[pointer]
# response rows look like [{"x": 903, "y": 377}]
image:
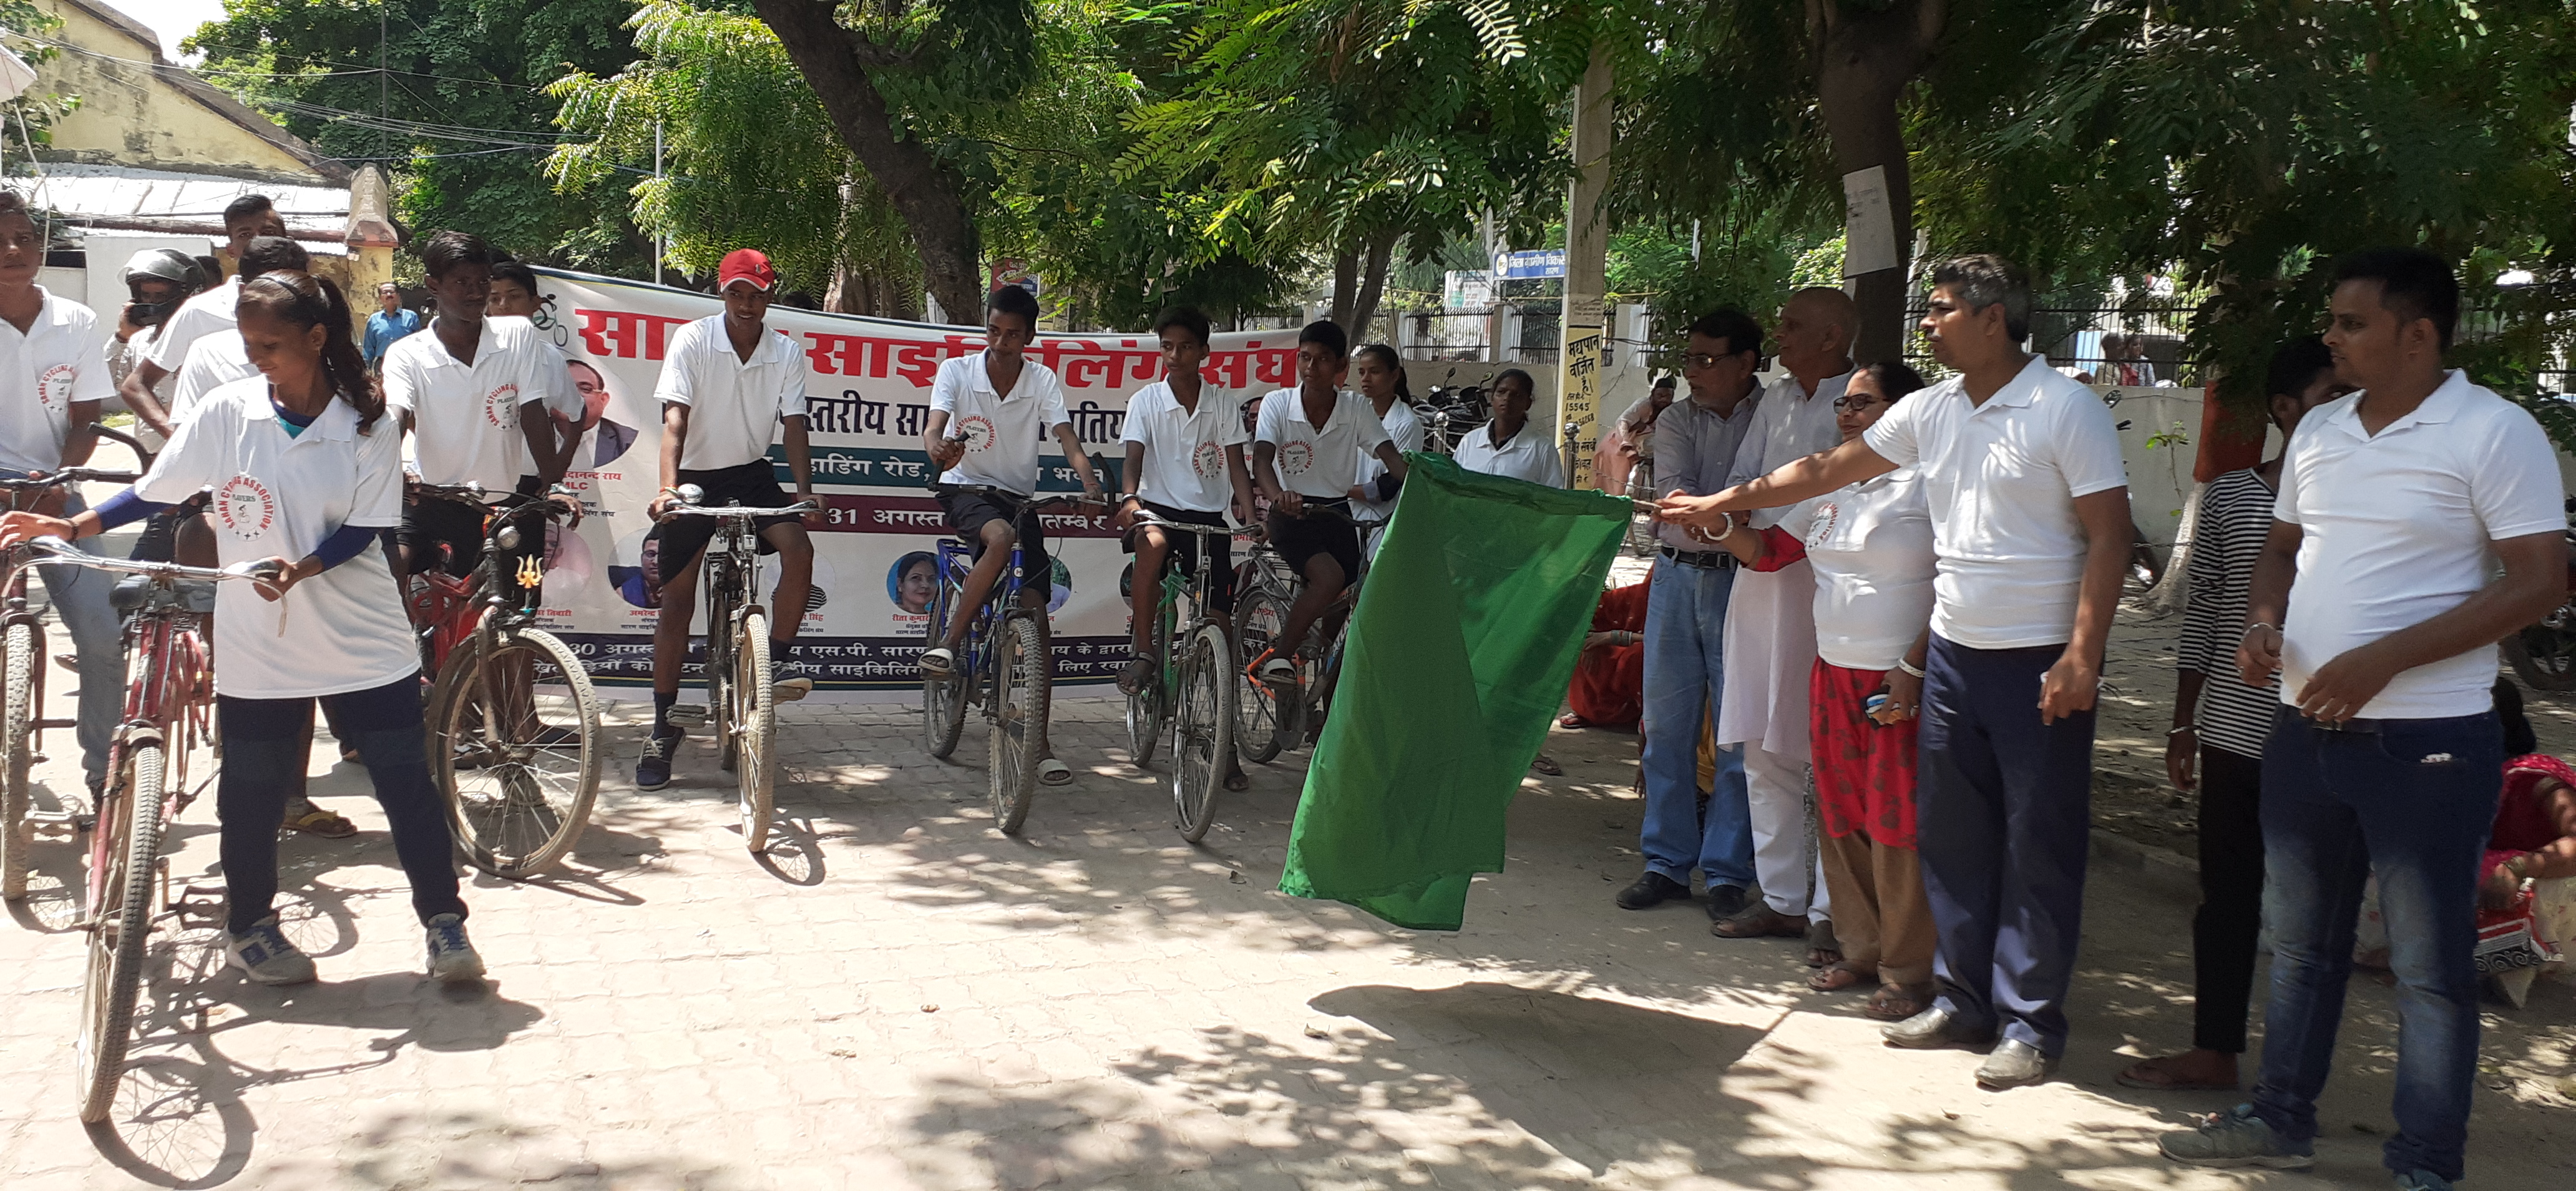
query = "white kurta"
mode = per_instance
[{"x": 1771, "y": 618}]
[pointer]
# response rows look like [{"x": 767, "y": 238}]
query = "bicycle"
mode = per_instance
[
  {"x": 1002, "y": 665},
  {"x": 1192, "y": 691},
  {"x": 740, "y": 698},
  {"x": 1272, "y": 720},
  {"x": 169, "y": 705},
  {"x": 519, "y": 768},
  {"x": 22, "y": 689}
]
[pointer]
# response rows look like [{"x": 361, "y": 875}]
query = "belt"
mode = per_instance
[{"x": 1706, "y": 560}]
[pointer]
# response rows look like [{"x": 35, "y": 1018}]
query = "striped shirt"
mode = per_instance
[{"x": 2235, "y": 517}]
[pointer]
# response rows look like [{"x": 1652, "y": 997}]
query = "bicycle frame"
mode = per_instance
[
  {"x": 445, "y": 610},
  {"x": 170, "y": 701},
  {"x": 956, "y": 561}
]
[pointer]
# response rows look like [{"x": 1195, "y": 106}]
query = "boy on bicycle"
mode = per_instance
[
  {"x": 999, "y": 402},
  {"x": 1185, "y": 464},
  {"x": 729, "y": 384},
  {"x": 1306, "y": 456}
]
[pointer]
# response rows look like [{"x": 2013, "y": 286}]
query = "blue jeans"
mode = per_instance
[
  {"x": 2004, "y": 824},
  {"x": 78, "y": 596},
  {"x": 2416, "y": 800},
  {"x": 1685, "y": 648}
]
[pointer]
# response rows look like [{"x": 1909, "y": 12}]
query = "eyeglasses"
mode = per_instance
[
  {"x": 1856, "y": 403},
  {"x": 1700, "y": 361}
]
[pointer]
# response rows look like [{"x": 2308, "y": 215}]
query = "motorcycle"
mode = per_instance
[{"x": 2543, "y": 655}]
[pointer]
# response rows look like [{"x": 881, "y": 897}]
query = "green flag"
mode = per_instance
[{"x": 1464, "y": 640}]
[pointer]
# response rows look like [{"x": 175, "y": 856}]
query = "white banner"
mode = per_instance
[{"x": 869, "y": 383}]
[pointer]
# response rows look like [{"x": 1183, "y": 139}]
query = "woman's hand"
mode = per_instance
[
  {"x": 1700, "y": 512},
  {"x": 274, "y": 586},
  {"x": 17, "y": 528}
]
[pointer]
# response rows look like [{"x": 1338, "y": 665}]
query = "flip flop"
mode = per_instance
[
  {"x": 940, "y": 662},
  {"x": 1836, "y": 978},
  {"x": 1547, "y": 765},
  {"x": 1570, "y": 721},
  {"x": 1895, "y": 1003},
  {"x": 1140, "y": 671},
  {"x": 1052, "y": 772},
  {"x": 326, "y": 824}
]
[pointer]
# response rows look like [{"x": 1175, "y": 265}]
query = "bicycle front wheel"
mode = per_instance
[
  {"x": 753, "y": 731},
  {"x": 515, "y": 750},
  {"x": 1019, "y": 721},
  {"x": 17, "y": 722},
  {"x": 1202, "y": 730},
  {"x": 943, "y": 700},
  {"x": 1145, "y": 710},
  {"x": 115, "y": 972},
  {"x": 1258, "y": 617}
]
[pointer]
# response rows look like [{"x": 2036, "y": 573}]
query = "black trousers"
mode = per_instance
[{"x": 2224, "y": 929}]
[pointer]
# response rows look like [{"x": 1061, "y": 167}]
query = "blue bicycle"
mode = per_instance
[{"x": 1003, "y": 665}]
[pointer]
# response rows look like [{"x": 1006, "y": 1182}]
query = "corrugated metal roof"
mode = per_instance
[{"x": 127, "y": 193}]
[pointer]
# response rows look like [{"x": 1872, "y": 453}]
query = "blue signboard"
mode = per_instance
[{"x": 1525, "y": 266}]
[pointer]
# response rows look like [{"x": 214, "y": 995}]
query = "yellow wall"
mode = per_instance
[{"x": 130, "y": 116}]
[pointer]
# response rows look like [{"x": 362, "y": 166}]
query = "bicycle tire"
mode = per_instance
[
  {"x": 754, "y": 740},
  {"x": 115, "y": 970},
  {"x": 17, "y": 717},
  {"x": 1202, "y": 730},
  {"x": 1147, "y": 713},
  {"x": 1019, "y": 701},
  {"x": 943, "y": 700},
  {"x": 518, "y": 805},
  {"x": 1258, "y": 615}
]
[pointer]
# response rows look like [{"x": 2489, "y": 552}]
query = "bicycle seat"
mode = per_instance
[{"x": 133, "y": 593}]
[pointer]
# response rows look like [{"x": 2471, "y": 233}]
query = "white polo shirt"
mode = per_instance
[
  {"x": 465, "y": 417},
  {"x": 735, "y": 405},
  {"x": 1871, "y": 547},
  {"x": 2394, "y": 530},
  {"x": 1002, "y": 429},
  {"x": 1324, "y": 463},
  {"x": 1403, "y": 428},
  {"x": 1789, "y": 424},
  {"x": 209, "y": 312},
  {"x": 1184, "y": 449},
  {"x": 59, "y": 360},
  {"x": 279, "y": 496},
  {"x": 1528, "y": 456},
  {"x": 2001, "y": 481},
  {"x": 218, "y": 359},
  {"x": 561, "y": 397}
]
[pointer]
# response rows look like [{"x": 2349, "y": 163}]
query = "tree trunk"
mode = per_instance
[
  {"x": 1346, "y": 282},
  {"x": 1372, "y": 287},
  {"x": 927, "y": 195},
  {"x": 1864, "y": 60}
]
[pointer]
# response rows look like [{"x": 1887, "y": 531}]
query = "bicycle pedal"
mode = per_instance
[{"x": 687, "y": 713}]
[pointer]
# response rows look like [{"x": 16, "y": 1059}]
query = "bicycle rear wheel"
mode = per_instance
[
  {"x": 1019, "y": 720},
  {"x": 1258, "y": 616},
  {"x": 1145, "y": 709},
  {"x": 753, "y": 731},
  {"x": 517, "y": 762},
  {"x": 115, "y": 971},
  {"x": 17, "y": 722},
  {"x": 1202, "y": 730},
  {"x": 943, "y": 700}
]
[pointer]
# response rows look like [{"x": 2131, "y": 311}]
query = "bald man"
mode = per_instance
[{"x": 1771, "y": 632}]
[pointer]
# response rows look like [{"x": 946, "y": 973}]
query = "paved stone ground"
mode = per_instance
[{"x": 901, "y": 997}]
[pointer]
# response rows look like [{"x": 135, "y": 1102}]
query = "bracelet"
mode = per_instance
[
  {"x": 2179, "y": 729},
  {"x": 1909, "y": 669},
  {"x": 2252, "y": 625}
]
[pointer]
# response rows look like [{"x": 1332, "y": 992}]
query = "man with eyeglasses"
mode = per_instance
[
  {"x": 1695, "y": 448},
  {"x": 1771, "y": 633}
]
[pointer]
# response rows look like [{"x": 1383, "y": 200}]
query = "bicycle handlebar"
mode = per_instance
[
  {"x": 1027, "y": 503},
  {"x": 70, "y": 475},
  {"x": 55, "y": 551},
  {"x": 745, "y": 512},
  {"x": 1145, "y": 517}
]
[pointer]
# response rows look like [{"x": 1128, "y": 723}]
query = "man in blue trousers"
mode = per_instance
[
  {"x": 2394, "y": 504},
  {"x": 2030, "y": 527},
  {"x": 1695, "y": 443}
]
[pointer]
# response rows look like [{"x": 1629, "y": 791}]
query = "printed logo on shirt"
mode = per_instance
[
  {"x": 1821, "y": 530},
  {"x": 501, "y": 406},
  {"x": 245, "y": 507},
  {"x": 54, "y": 388},
  {"x": 978, "y": 430},
  {"x": 1295, "y": 456},
  {"x": 1208, "y": 461}
]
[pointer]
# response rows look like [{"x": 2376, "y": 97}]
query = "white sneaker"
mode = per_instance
[
  {"x": 267, "y": 956},
  {"x": 451, "y": 955}
]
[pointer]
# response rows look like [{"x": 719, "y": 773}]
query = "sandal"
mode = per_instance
[
  {"x": 1547, "y": 765},
  {"x": 1822, "y": 948},
  {"x": 1571, "y": 721},
  {"x": 939, "y": 662},
  {"x": 1837, "y": 977},
  {"x": 1140, "y": 670},
  {"x": 1052, "y": 772},
  {"x": 1896, "y": 1002},
  {"x": 318, "y": 822}
]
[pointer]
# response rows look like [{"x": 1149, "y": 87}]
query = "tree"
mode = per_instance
[{"x": 33, "y": 112}]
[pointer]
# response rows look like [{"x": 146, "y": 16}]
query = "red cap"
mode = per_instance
[{"x": 746, "y": 264}]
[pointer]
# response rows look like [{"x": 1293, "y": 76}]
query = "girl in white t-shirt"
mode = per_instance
[{"x": 306, "y": 473}]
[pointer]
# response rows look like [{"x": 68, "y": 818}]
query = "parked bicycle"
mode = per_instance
[
  {"x": 169, "y": 705},
  {"x": 1272, "y": 719},
  {"x": 22, "y": 684},
  {"x": 1003, "y": 665},
  {"x": 513, "y": 722},
  {"x": 1191, "y": 693},
  {"x": 741, "y": 699}
]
